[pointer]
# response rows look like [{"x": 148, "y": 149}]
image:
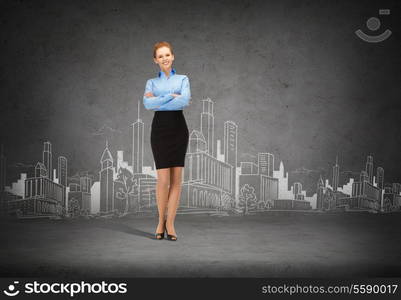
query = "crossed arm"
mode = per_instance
[
  {"x": 150, "y": 94},
  {"x": 168, "y": 101},
  {"x": 151, "y": 102}
]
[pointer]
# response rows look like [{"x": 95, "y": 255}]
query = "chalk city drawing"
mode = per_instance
[{"x": 215, "y": 182}]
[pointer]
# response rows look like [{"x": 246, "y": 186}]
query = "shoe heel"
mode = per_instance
[
  {"x": 170, "y": 237},
  {"x": 160, "y": 236}
]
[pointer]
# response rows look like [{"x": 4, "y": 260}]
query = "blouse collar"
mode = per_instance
[{"x": 162, "y": 74}]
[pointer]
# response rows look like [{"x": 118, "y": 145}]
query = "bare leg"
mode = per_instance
[
  {"x": 174, "y": 197},
  {"x": 162, "y": 190}
]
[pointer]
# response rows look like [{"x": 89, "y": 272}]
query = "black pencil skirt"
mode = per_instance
[{"x": 169, "y": 138}]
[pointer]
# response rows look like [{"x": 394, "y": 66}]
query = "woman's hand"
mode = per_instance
[{"x": 175, "y": 95}]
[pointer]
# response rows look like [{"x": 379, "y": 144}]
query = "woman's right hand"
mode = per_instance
[{"x": 175, "y": 95}]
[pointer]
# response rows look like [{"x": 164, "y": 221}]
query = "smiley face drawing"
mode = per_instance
[
  {"x": 373, "y": 24},
  {"x": 11, "y": 290}
]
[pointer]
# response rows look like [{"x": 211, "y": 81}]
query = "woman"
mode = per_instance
[{"x": 167, "y": 94}]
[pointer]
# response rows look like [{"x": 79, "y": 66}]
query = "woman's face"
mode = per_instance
[{"x": 164, "y": 58}]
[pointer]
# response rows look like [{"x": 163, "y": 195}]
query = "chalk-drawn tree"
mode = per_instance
[
  {"x": 247, "y": 199},
  {"x": 125, "y": 187},
  {"x": 328, "y": 199},
  {"x": 387, "y": 206},
  {"x": 73, "y": 207}
]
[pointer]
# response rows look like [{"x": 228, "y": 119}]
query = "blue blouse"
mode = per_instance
[{"x": 162, "y": 88}]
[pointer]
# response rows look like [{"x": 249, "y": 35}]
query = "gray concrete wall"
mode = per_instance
[{"x": 293, "y": 75}]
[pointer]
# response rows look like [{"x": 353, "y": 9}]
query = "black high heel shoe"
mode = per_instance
[
  {"x": 171, "y": 237},
  {"x": 160, "y": 236}
]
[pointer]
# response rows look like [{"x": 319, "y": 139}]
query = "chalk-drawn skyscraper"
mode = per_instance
[
  {"x": 2, "y": 169},
  {"x": 207, "y": 124},
  {"x": 106, "y": 181},
  {"x": 62, "y": 170},
  {"x": 320, "y": 193},
  {"x": 380, "y": 177},
  {"x": 369, "y": 168},
  {"x": 266, "y": 164},
  {"x": 137, "y": 145},
  {"x": 62, "y": 176},
  {"x": 48, "y": 158},
  {"x": 336, "y": 175},
  {"x": 230, "y": 149},
  {"x": 297, "y": 189}
]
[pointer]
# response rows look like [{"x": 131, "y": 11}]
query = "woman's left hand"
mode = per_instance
[{"x": 176, "y": 95}]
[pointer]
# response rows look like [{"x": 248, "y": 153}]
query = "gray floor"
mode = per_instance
[{"x": 268, "y": 245}]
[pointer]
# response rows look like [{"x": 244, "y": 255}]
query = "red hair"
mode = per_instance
[{"x": 159, "y": 45}]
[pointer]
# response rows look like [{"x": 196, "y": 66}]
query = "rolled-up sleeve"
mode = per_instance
[
  {"x": 151, "y": 103},
  {"x": 181, "y": 101}
]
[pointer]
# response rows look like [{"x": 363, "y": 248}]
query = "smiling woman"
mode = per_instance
[
  {"x": 173, "y": 93},
  {"x": 167, "y": 95}
]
